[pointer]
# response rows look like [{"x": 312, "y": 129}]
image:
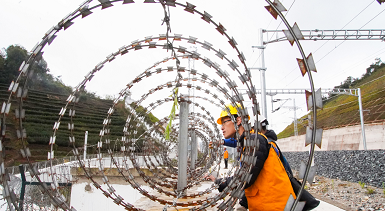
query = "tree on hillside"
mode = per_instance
[
  {"x": 14, "y": 56},
  {"x": 2, "y": 61},
  {"x": 10, "y": 62},
  {"x": 347, "y": 83},
  {"x": 351, "y": 82},
  {"x": 373, "y": 67}
]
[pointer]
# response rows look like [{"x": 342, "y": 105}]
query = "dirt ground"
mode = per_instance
[{"x": 348, "y": 195}]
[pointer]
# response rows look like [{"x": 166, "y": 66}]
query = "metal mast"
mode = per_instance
[{"x": 262, "y": 71}]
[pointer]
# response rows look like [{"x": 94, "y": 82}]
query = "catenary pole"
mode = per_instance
[
  {"x": 182, "y": 147},
  {"x": 85, "y": 145},
  {"x": 262, "y": 71},
  {"x": 295, "y": 119},
  {"x": 361, "y": 118},
  {"x": 193, "y": 149},
  {"x": 262, "y": 78}
]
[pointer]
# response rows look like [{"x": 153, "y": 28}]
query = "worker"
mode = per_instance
[
  {"x": 226, "y": 157},
  {"x": 272, "y": 136},
  {"x": 269, "y": 187}
]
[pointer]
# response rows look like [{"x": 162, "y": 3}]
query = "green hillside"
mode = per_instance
[
  {"x": 47, "y": 95},
  {"x": 343, "y": 110},
  {"x": 42, "y": 109}
]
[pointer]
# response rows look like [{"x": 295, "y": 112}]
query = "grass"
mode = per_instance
[
  {"x": 42, "y": 108},
  {"x": 324, "y": 189},
  {"x": 362, "y": 184},
  {"x": 342, "y": 110},
  {"x": 370, "y": 191}
]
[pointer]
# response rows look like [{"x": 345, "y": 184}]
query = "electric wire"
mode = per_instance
[
  {"x": 299, "y": 76},
  {"x": 336, "y": 96},
  {"x": 372, "y": 80},
  {"x": 366, "y": 96},
  {"x": 287, "y": 75},
  {"x": 257, "y": 59},
  {"x": 274, "y": 32},
  {"x": 271, "y": 19},
  {"x": 345, "y": 40},
  {"x": 363, "y": 97},
  {"x": 372, "y": 18},
  {"x": 320, "y": 60},
  {"x": 355, "y": 64},
  {"x": 335, "y": 47},
  {"x": 338, "y": 44},
  {"x": 281, "y": 20},
  {"x": 347, "y": 24}
]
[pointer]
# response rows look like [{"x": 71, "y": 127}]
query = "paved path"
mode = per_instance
[
  {"x": 323, "y": 206},
  {"x": 147, "y": 204}
]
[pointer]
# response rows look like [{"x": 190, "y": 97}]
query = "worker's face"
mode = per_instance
[{"x": 228, "y": 128}]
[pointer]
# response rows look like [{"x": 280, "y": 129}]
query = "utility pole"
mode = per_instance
[
  {"x": 262, "y": 71},
  {"x": 295, "y": 119}
]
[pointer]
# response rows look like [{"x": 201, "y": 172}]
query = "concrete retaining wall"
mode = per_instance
[
  {"x": 341, "y": 155},
  {"x": 346, "y": 138}
]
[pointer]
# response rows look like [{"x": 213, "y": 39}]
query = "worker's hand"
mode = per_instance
[
  {"x": 217, "y": 143},
  {"x": 209, "y": 177}
]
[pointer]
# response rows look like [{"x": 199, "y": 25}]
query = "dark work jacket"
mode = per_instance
[
  {"x": 261, "y": 155},
  {"x": 270, "y": 134}
]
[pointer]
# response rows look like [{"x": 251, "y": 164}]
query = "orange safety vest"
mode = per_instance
[
  {"x": 272, "y": 188},
  {"x": 226, "y": 155}
]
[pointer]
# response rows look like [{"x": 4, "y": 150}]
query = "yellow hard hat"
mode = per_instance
[{"x": 233, "y": 111}]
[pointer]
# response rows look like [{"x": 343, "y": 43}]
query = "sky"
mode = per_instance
[{"x": 78, "y": 49}]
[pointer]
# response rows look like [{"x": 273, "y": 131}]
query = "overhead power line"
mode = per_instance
[
  {"x": 355, "y": 64},
  {"x": 281, "y": 20},
  {"x": 333, "y": 35},
  {"x": 276, "y": 29}
]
